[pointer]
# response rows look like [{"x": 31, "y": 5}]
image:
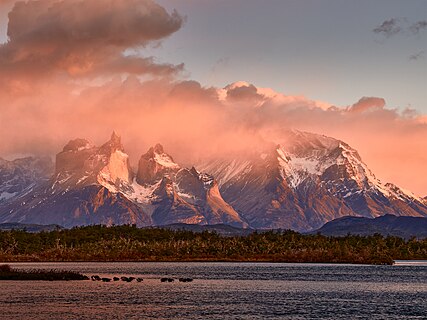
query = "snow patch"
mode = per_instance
[
  {"x": 7, "y": 195},
  {"x": 294, "y": 170},
  {"x": 142, "y": 194},
  {"x": 65, "y": 179},
  {"x": 85, "y": 147},
  {"x": 184, "y": 195},
  {"x": 306, "y": 164},
  {"x": 402, "y": 194},
  {"x": 82, "y": 179},
  {"x": 236, "y": 169},
  {"x": 165, "y": 161},
  {"x": 225, "y": 171}
]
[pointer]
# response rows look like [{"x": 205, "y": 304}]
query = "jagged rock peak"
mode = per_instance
[
  {"x": 115, "y": 138},
  {"x": 155, "y": 164},
  {"x": 155, "y": 152},
  {"x": 158, "y": 155},
  {"x": 207, "y": 180},
  {"x": 115, "y": 143},
  {"x": 86, "y": 163},
  {"x": 73, "y": 156},
  {"x": 194, "y": 171},
  {"x": 158, "y": 148},
  {"x": 77, "y": 145}
]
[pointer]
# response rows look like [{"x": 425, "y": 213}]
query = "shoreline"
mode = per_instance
[
  {"x": 209, "y": 261},
  {"x": 7, "y": 273}
]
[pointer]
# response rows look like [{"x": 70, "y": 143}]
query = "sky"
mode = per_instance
[
  {"x": 209, "y": 77},
  {"x": 325, "y": 49}
]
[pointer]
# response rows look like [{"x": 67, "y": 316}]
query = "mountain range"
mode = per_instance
[{"x": 300, "y": 184}]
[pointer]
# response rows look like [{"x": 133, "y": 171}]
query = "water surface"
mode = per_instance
[{"x": 223, "y": 291}]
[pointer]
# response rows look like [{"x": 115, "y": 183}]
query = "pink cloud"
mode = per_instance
[
  {"x": 65, "y": 75},
  {"x": 368, "y": 104},
  {"x": 84, "y": 38}
]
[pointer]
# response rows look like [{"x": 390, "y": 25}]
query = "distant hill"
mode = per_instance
[
  {"x": 404, "y": 227},
  {"x": 29, "y": 227}
]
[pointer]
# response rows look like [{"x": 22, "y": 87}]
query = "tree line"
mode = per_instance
[{"x": 129, "y": 243}]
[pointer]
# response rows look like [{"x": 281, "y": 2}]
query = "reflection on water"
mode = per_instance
[{"x": 223, "y": 291}]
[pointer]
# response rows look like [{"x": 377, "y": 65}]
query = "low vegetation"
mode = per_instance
[
  {"x": 7, "y": 273},
  {"x": 128, "y": 243}
]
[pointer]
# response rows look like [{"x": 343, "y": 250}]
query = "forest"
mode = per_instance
[{"x": 129, "y": 243}]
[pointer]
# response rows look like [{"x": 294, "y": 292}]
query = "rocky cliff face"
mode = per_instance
[
  {"x": 81, "y": 164},
  {"x": 179, "y": 195},
  {"x": 154, "y": 165},
  {"x": 95, "y": 185},
  {"x": 87, "y": 188},
  {"x": 299, "y": 184}
]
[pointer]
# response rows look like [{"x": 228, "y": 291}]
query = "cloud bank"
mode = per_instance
[
  {"x": 84, "y": 38},
  {"x": 75, "y": 68}
]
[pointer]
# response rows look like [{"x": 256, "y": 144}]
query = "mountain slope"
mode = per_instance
[
  {"x": 306, "y": 181},
  {"x": 88, "y": 205},
  {"x": 388, "y": 225},
  {"x": 21, "y": 176},
  {"x": 179, "y": 195}
]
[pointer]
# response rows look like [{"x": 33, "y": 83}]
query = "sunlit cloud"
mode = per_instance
[
  {"x": 65, "y": 74},
  {"x": 84, "y": 38}
]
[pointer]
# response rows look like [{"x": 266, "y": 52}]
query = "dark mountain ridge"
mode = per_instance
[
  {"x": 387, "y": 225},
  {"x": 29, "y": 227}
]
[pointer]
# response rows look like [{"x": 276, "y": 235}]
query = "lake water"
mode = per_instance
[{"x": 223, "y": 291}]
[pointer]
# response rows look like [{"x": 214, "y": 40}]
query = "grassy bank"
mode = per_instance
[
  {"x": 7, "y": 273},
  {"x": 128, "y": 243}
]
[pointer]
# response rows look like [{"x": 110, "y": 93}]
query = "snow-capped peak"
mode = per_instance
[
  {"x": 158, "y": 155},
  {"x": 165, "y": 160},
  {"x": 154, "y": 165},
  {"x": 313, "y": 155},
  {"x": 401, "y": 193}
]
